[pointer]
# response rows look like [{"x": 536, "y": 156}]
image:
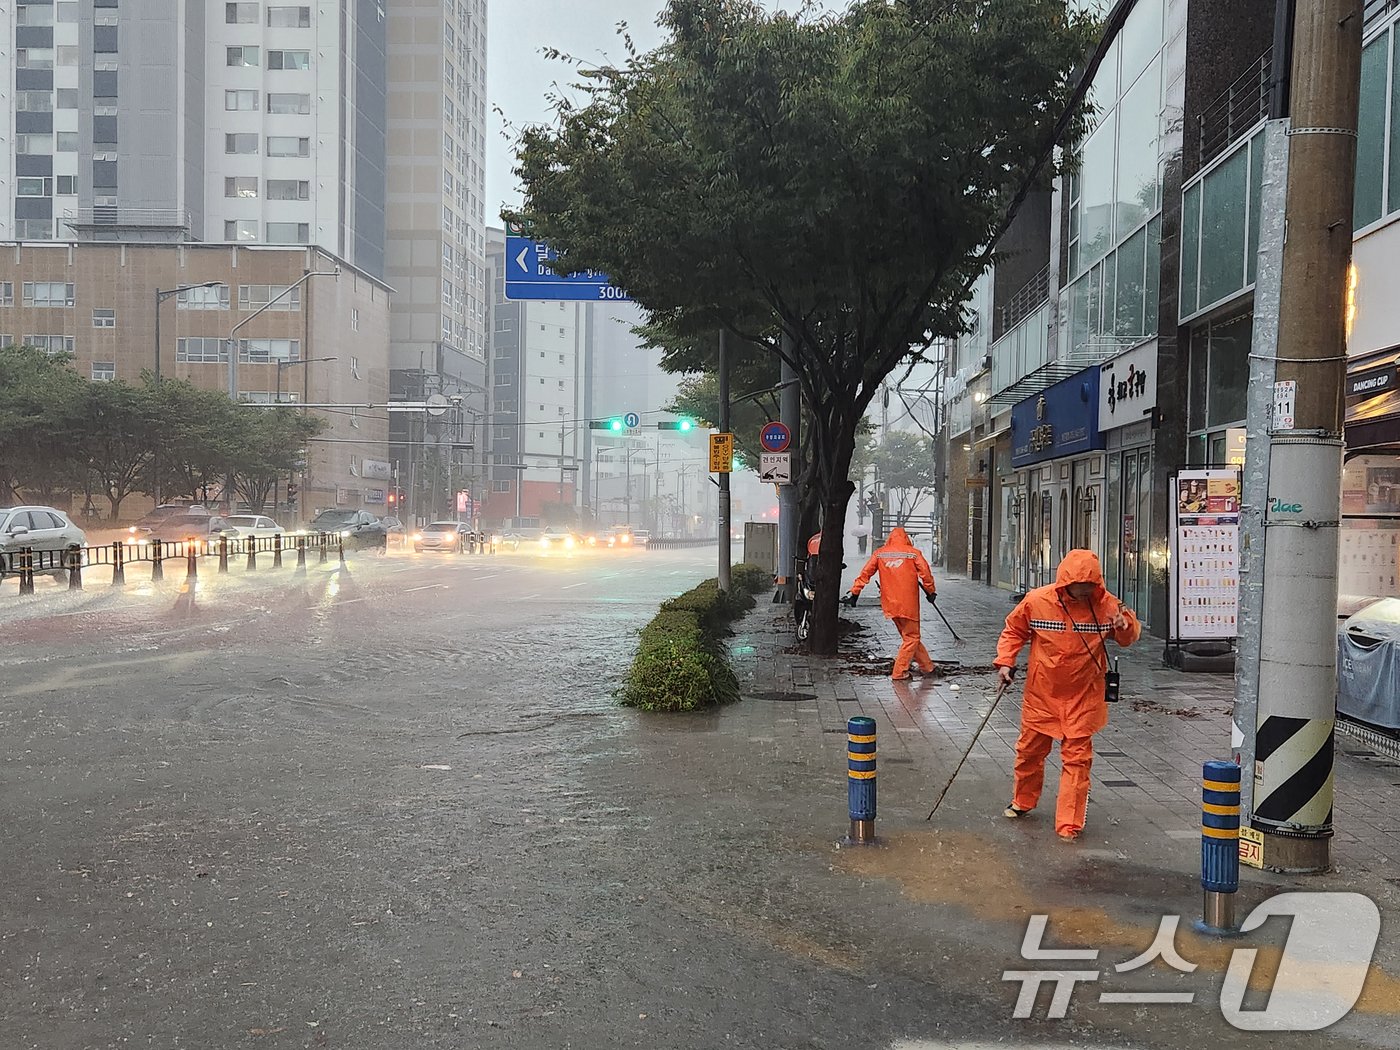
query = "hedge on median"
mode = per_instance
[{"x": 681, "y": 662}]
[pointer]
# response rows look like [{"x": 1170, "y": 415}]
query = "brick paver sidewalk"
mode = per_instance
[{"x": 1145, "y": 796}]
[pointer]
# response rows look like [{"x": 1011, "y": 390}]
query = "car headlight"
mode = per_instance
[
  {"x": 626, "y": 539},
  {"x": 417, "y": 536},
  {"x": 568, "y": 541},
  {"x": 495, "y": 540},
  {"x": 345, "y": 534}
]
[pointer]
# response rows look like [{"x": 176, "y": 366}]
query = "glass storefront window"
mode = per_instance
[
  {"x": 1223, "y": 198},
  {"x": 1152, "y": 283},
  {"x": 1096, "y": 193},
  {"x": 1128, "y": 316},
  {"x": 1371, "y": 127},
  {"x": 1190, "y": 248},
  {"x": 1229, "y": 372},
  {"x": 1137, "y": 151},
  {"x": 1114, "y": 516},
  {"x": 1200, "y": 361}
]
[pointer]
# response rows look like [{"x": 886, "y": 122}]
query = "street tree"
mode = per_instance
[
  {"x": 905, "y": 464},
  {"x": 271, "y": 443},
  {"x": 843, "y": 176},
  {"x": 40, "y": 412},
  {"x": 117, "y": 438}
]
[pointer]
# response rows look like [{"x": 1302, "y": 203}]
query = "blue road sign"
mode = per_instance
[
  {"x": 527, "y": 276},
  {"x": 775, "y": 437},
  {"x": 632, "y": 420}
]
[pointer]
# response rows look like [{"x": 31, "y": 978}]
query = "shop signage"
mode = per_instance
[
  {"x": 1060, "y": 421},
  {"x": 1128, "y": 387},
  {"x": 1204, "y": 560},
  {"x": 376, "y": 468},
  {"x": 374, "y": 496},
  {"x": 1372, "y": 382}
]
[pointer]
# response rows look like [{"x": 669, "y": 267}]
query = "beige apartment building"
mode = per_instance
[{"x": 326, "y": 343}]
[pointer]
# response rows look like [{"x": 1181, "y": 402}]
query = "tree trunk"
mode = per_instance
[
  {"x": 116, "y": 502},
  {"x": 826, "y": 607}
]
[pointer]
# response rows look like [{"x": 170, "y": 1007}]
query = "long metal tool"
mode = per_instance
[
  {"x": 958, "y": 640},
  {"x": 1001, "y": 691}
]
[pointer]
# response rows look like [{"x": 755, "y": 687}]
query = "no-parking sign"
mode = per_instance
[{"x": 775, "y": 437}]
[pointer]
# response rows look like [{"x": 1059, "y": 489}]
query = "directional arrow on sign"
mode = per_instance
[{"x": 521, "y": 258}]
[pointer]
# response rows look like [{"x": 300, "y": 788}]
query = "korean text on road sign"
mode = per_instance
[{"x": 721, "y": 453}]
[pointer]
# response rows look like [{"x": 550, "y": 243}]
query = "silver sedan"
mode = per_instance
[{"x": 40, "y": 529}]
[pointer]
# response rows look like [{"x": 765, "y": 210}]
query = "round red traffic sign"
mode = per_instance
[{"x": 775, "y": 437}]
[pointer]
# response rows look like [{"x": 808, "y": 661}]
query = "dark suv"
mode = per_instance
[{"x": 358, "y": 528}]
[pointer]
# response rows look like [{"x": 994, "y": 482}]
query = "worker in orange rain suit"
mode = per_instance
[
  {"x": 903, "y": 573},
  {"x": 1067, "y": 625}
]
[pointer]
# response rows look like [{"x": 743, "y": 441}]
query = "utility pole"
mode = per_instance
[
  {"x": 724, "y": 583},
  {"x": 1288, "y": 644},
  {"x": 789, "y": 405}
]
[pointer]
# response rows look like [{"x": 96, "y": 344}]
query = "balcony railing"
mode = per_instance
[
  {"x": 97, "y": 221},
  {"x": 1027, "y": 298},
  {"x": 1236, "y": 110}
]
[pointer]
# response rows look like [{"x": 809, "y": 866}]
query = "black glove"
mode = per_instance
[
  {"x": 932, "y": 597},
  {"x": 849, "y": 598}
]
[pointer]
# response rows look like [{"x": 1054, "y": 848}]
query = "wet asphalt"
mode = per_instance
[{"x": 396, "y": 806}]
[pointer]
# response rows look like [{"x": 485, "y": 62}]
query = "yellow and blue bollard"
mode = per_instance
[
  {"x": 860, "y": 778},
  {"x": 1220, "y": 846}
]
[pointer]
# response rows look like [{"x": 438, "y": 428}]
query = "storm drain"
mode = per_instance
[
  {"x": 785, "y": 698},
  {"x": 1119, "y": 783}
]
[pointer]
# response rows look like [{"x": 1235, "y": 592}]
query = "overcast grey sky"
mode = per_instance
[{"x": 519, "y": 77}]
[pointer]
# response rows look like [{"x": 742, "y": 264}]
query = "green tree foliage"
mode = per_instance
[
  {"x": 843, "y": 178},
  {"x": 61, "y": 434},
  {"x": 905, "y": 462}
]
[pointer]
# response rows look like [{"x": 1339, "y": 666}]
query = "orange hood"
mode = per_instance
[
  {"x": 1079, "y": 566},
  {"x": 899, "y": 538}
]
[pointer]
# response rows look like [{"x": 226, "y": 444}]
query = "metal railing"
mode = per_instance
[
  {"x": 1026, "y": 300},
  {"x": 117, "y": 215},
  {"x": 1236, "y": 110}
]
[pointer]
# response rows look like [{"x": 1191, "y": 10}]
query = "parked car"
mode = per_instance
[
  {"x": 641, "y": 537},
  {"x": 442, "y": 536},
  {"x": 198, "y": 524},
  {"x": 39, "y": 529},
  {"x": 241, "y": 526},
  {"x": 359, "y": 528},
  {"x": 153, "y": 523}
]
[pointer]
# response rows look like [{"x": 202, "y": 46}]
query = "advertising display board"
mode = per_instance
[{"x": 1205, "y": 554}]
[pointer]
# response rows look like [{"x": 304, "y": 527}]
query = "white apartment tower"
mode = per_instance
[{"x": 169, "y": 120}]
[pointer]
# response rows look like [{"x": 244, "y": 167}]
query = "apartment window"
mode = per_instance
[
  {"x": 7, "y": 293},
  {"x": 500, "y": 486},
  {"x": 354, "y": 368},
  {"x": 200, "y": 350},
  {"x": 34, "y": 145},
  {"x": 66, "y": 142},
  {"x": 34, "y": 229},
  {"x": 288, "y": 233},
  {"x": 34, "y": 58},
  {"x": 104, "y": 371},
  {"x": 66, "y": 185},
  {"x": 31, "y": 15},
  {"x": 34, "y": 101},
  {"x": 288, "y": 190},
  {"x": 354, "y": 327},
  {"x": 243, "y": 56},
  {"x": 215, "y": 298},
  {"x": 240, "y": 101},
  {"x": 67, "y": 11},
  {"x": 254, "y": 296},
  {"x": 67, "y": 98},
  {"x": 48, "y": 293},
  {"x": 103, "y": 318},
  {"x": 289, "y": 17},
  {"x": 50, "y": 344},
  {"x": 288, "y": 146},
  {"x": 288, "y": 102},
  {"x": 241, "y": 230},
  {"x": 241, "y": 186},
  {"x": 240, "y": 14},
  {"x": 34, "y": 187},
  {"x": 241, "y": 144},
  {"x": 262, "y": 351},
  {"x": 289, "y": 60}
]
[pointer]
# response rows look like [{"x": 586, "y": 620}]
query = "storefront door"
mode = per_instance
[{"x": 1135, "y": 525}]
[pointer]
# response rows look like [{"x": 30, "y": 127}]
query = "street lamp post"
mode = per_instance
[
  {"x": 230, "y": 342},
  {"x": 291, "y": 363},
  {"x": 163, "y": 294}
]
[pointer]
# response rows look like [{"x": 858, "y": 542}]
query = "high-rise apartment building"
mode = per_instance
[{"x": 185, "y": 120}]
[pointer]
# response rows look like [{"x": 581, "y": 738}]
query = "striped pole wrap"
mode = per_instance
[
  {"x": 1293, "y": 776},
  {"x": 860, "y": 777},
  {"x": 1220, "y": 845}
]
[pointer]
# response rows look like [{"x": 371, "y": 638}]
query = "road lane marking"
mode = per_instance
[
  {"x": 478, "y": 579},
  {"x": 347, "y": 601},
  {"x": 426, "y": 587},
  {"x": 571, "y": 586},
  {"x": 524, "y": 597}
]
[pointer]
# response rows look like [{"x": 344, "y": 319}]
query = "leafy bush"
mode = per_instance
[{"x": 681, "y": 662}]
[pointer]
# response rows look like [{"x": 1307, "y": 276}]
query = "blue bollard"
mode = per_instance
[
  {"x": 1220, "y": 846},
  {"x": 860, "y": 778}
]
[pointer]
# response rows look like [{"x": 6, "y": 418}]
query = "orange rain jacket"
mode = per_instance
[
  {"x": 903, "y": 571},
  {"x": 1069, "y": 655},
  {"x": 814, "y": 545}
]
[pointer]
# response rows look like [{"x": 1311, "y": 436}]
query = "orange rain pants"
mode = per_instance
[
  {"x": 911, "y": 648},
  {"x": 1076, "y": 758}
]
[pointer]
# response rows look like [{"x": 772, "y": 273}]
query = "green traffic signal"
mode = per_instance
[
  {"x": 615, "y": 424},
  {"x": 677, "y": 424}
]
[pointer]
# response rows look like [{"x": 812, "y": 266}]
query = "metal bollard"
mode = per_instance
[
  {"x": 301, "y": 555},
  {"x": 192, "y": 560},
  {"x": 277, "y": 550},
  {"x": 118, "y": 564},
  {"x": 75, "y": 568},
  {"x": 1220, "y": 846},
  {"x": 341, "y": 539},
  {"x": 157, "y": 569},
  {"x": 223, "y": 555},
  {"x": 321, "y": 542},
  {"x": 252, "y": 542},
  {"x": 860, "y": 778},
  {"x": 26, "y": 571}
]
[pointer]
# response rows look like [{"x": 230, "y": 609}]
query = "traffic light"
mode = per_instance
[
  {"x": 677, "y": 424},
  {"x": 393, "y": 497},
  {"x": 291, "y": 494},
  {"x": 616, "y": 424}
]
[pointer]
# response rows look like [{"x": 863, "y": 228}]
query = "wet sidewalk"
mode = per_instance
[{"x": 1145, "y": 794}]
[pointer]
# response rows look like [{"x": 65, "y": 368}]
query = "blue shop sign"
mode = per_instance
[{"x": 1062, "y": 420}]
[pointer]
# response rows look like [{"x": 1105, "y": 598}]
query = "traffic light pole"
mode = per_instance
[{"x": 724, "y": 583}]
